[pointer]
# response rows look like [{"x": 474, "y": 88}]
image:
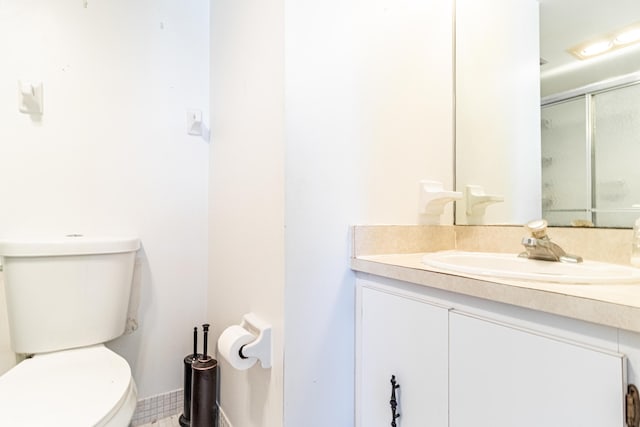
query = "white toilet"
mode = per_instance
[{"x": 65, "y": 298}]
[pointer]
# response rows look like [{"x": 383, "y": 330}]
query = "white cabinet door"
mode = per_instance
[
  {"x": 501, "y": 376},
  {"x": 407, "y": 338}
]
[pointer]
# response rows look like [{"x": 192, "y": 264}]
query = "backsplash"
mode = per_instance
[
  {"x": 401, "y": 239},
  {"x": 597, "y": 244}
]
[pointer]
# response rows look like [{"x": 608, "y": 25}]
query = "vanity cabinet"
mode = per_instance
[
  {"x": 459, "y": 365},
  {"x": 503, "y": 376},
  {"x": 405, "y": 338}
]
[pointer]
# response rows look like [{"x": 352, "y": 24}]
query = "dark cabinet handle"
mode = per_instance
[{"x": 393, "y": 402}]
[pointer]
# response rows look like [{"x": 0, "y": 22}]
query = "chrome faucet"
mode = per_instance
[{"x": 540, "y": 246}]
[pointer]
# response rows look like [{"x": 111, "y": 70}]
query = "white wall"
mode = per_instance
[
  {"x": 324, "y": 115},
  {"x": 369, "y": 114},
  {"x": 111, "y": 155},
  {"x": 246, "y": 198}
]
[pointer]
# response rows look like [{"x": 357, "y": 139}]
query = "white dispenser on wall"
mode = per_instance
[{"x": 433, "y": 199}]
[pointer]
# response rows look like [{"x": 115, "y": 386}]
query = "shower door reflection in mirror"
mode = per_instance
[
  {"x": 591, "y": 159},
  {"x": 566, "y": 185}
]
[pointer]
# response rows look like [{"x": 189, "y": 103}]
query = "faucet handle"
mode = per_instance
[{"x": 537, "y": 228}]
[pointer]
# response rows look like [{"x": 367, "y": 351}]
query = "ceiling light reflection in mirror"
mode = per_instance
[{"x": 622, "y": 38}]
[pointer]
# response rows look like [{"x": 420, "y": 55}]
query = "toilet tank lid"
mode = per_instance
[{"x": 73, "y": 244}]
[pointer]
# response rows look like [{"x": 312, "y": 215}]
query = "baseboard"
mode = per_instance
[{"x": 223, "y": 421}]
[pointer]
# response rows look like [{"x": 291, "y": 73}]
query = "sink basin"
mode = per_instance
[{"x": 510, "y": 266}]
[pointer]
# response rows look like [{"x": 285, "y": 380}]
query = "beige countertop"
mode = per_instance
[{"x": 615, "y": 305}]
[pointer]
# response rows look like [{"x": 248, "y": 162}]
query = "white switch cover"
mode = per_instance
[
  {"x": 194, "y": 122},
  {"x": 30, "y": 97}
]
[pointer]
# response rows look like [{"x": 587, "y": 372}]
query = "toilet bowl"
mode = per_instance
[
  {"x": 89, "y": 386},
  {"x": 65, "y": 298}
]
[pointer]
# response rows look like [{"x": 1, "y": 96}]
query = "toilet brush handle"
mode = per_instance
[
  {"x": 195, "y": 341},
  {"x": 205, "y": 328}
]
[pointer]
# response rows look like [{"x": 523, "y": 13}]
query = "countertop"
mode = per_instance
[{"x": 611, "y": 305}]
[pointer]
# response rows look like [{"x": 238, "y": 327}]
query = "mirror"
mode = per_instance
[
  {"x": 497, "y": 111},
  {"x": 585, "y": 178},
  {"x": 590, "y": 114}
]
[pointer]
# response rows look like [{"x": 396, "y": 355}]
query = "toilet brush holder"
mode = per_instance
[
  {"x": 185, "y": 418},
  {"x": 204, "y": 384},
  {"x": 204, "y": 388}
]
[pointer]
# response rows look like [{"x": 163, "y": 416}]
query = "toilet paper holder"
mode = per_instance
[{"x": 261, "y": 347}]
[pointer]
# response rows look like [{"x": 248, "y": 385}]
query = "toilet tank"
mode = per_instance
[{"x": 66, "y": 292}]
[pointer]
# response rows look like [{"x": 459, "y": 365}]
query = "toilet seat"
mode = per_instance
[{"x": 88, "y": 386}]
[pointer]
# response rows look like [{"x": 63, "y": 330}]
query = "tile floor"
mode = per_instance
[{"x": 171, "y": 421}]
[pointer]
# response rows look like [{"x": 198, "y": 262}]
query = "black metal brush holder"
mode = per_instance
[
  {"x": 185, "y": 418},
  {"x": 200, "y": 386},
  {"x": 204, "y": 384}
]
